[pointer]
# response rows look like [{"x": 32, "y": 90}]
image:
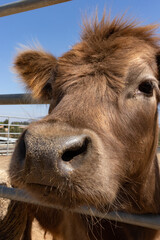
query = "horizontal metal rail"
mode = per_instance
[
  {"x": 11, "y": 133},
  {"x": 14, "y": 125},
  {"x": 147, "y": 220},
  {"x": 9, "y": 151},
  {"x": 14, "y": 99},
  {"x": 6, "y": 116},
  {"x": 26, "y": 5}
]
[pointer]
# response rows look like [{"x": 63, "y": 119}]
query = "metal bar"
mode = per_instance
[
  {"x": 2, "y": 133},
  {"x": 5, "y": 116},
  {"x": 14, "y": 99},
  {"x": 14, "y": 125},
  {"x": 4, "y": 151},
  {"x": 26, "y": 5},
  {"x": 147, "y": 220}
]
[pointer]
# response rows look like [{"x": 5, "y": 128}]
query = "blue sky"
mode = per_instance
[{"x": 56, "y": 28}]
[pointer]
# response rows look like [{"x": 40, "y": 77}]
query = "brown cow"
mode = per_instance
[{"x": 98, "y": 144}]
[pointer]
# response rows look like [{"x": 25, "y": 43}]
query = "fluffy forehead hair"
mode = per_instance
[
  {"x": 100, "y": 39},
  {"x": 106, "y": 48},
  {"x": 95, "y": 30}
]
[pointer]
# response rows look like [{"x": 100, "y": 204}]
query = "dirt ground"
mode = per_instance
[
  {"x": 4, "y": 162},
  {"x": 37, "y": 232}
]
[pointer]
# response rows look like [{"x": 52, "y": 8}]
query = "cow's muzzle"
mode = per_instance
[{"x": 45, "y": 158}]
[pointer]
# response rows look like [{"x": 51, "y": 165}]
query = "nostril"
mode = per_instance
[
  {"x": 74, "y": 151},
  {"x": 22, "y": 147}
]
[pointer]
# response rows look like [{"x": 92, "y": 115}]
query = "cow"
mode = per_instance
[{"x": 97, "y": 146}]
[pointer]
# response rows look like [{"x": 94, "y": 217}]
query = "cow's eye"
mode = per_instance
[{"x": 146, "y": 88}]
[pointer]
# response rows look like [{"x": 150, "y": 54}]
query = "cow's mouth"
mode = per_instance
[
  {"x": 52, "y": 195},
  {"x": 47, "y": 189},
  {"x": 62, "y": 199},
  {"x": 43, "y": 190}
]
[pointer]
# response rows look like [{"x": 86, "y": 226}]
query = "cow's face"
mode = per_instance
[{"x": 98, "y": 142}]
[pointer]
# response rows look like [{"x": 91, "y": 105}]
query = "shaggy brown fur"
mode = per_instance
[{"x": 104, "y": 94}]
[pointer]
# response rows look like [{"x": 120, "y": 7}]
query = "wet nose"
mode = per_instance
[{"x": 62, "y": 155}]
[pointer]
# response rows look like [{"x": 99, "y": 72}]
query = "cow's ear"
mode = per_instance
[{"x": 37, "y": 70}]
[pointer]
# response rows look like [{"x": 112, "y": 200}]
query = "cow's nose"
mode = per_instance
[{"x": 60, "y": 155}]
